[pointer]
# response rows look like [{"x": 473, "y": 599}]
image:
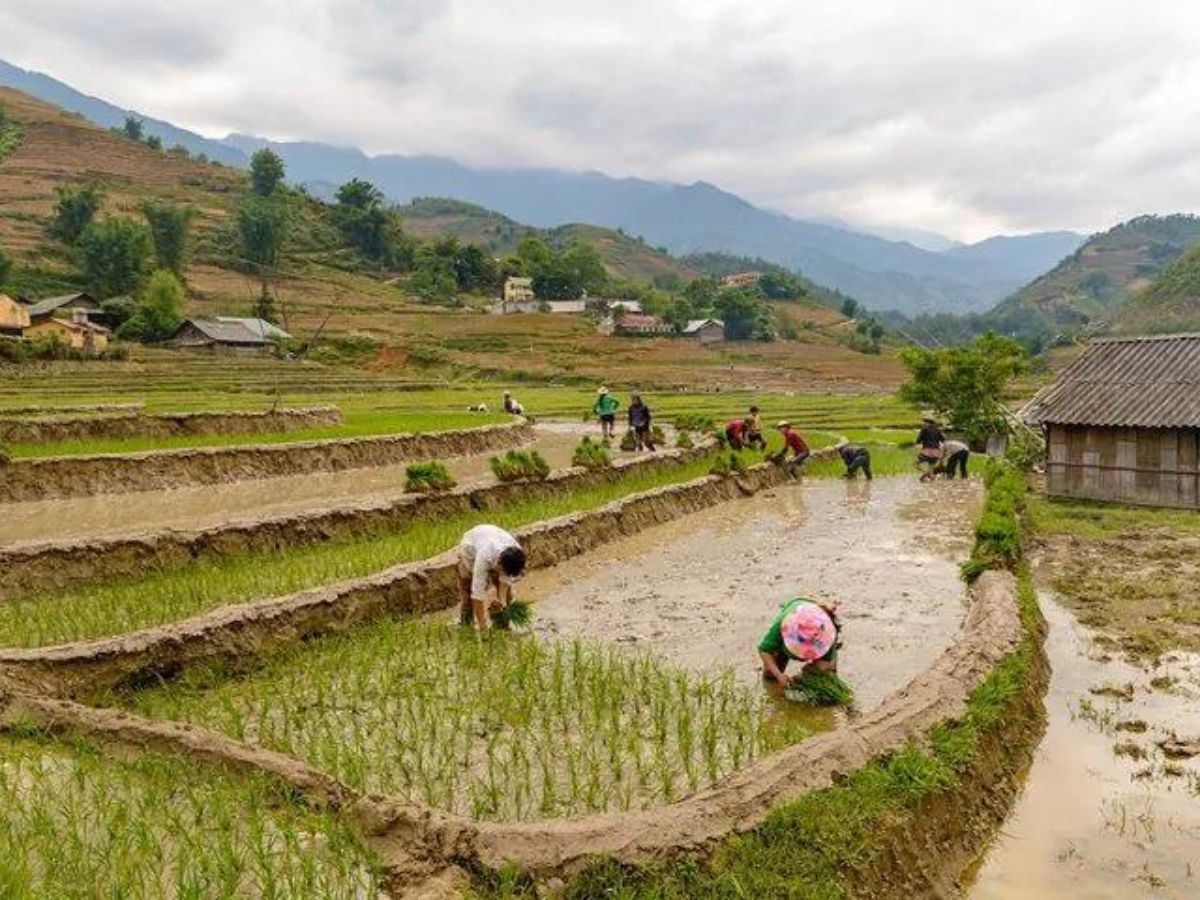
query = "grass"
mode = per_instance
[
  {"x": 77, "y": 824},
  {"x": 1089, "y": 519},
  {"x": 489, "y": 725},
  {"x": 358, "y": 424}
]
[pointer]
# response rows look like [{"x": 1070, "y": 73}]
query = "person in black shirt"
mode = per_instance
[
  {"x": 639, "y": 422},
  {"x": 856, "y": 458},
  {"x": 930, "y": 441}
]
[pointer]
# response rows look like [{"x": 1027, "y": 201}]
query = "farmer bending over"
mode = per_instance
[
  {"x": 856, "y": 458},
  {"x": 794, "y": 446},
  {"x": 804, "y": 631},
  {"x": 606, "y": 407},
  {"x": 736, "y": 432},
  {"x": 639, "y": 422},
  {"x": 511, "y": 406},
  {"x": 929, "y": 440},
  {"x": 754, "y": 435},
  {"x": 954, "y": 456},
  {"x": 487, "y": 556}
]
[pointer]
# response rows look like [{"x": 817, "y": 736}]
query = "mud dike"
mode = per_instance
[{"x": 418, "y": 842}]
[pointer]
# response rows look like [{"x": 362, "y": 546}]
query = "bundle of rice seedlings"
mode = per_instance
[
  {"x": 629, "y": 442},
  {"x": 427, "y": 477},
  {"x": 657, "y": 434},
  {"x": 518, "y": 464},
  {"x": 684, "y": 441},
  {"x": 820, "y": 689},
  {"x": 591, "y": 455},
  {"x": 517, "y": 614}
]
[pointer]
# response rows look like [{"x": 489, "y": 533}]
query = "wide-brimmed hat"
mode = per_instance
[
  {"x": 808, "y": 632},
  {"x": 783, "y": 425},
  {"x": 842, "y": 442},
  {"x": 602, "y": 390}
]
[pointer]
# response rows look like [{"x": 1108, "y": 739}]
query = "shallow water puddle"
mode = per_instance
[
  {"x": 1104, "y": 813},
  {"x": 702, "y": 589},
  {"x": 213, "y": 505}
]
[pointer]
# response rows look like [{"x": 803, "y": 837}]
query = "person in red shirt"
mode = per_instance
[
  {"x": 735, "y": 434},
  {"x": 794, "y": 446}
]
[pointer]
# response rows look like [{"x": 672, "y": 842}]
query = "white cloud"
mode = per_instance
[{"x": 967, "y": 117}]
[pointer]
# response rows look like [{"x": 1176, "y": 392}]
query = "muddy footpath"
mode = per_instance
[
  {"x": 701, "y": 590},
  {"x": 118, "y": 515},
  {"x": 1111, "y": 804}
]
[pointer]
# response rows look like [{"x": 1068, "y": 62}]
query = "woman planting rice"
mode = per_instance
[
  {"x": 488, "y": 556},
  {"x": 803, "y": 631}
]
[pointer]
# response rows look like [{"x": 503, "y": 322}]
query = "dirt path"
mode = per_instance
[
  {"x": 200, "y": 507},
  {"x": 1104, "y": 813},
  {"x": 702, "y": 591}
]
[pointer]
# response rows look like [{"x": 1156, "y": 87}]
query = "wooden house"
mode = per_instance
[
  {"x": 705, "y": 331},
  {"x": 79, "y": 334},
  {"x": 14, "y": 317},
  {"x": 1122, "y": 422}
]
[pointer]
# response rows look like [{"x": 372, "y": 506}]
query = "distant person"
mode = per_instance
[
  {"x": 606, "y": 407},
  {"x": 754, "y": 433},
  {"x": 735, "y": 433},
  {"x": 855, "y": 458},
  {"x": 639, "y": 422},
  {"x": 795, "y": 452},
  {"x": 954, "y": 456},
  {"x": 511, "y": 406},
  {"x": 929, "y": 444},
  {"x": 488, "y": 557},
  {"x": 805, "y": 632}
]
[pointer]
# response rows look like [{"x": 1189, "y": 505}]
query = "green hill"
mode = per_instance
[
  {"x": 1089, "y": 287},
  {"x": 1171, "y": 303}
]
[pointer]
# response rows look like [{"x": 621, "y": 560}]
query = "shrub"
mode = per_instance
[
  {"x": 519, "y": 465},
  {"x": 427, "y": 478},
  {"x": 159, "y": 311},
  {"x": 1025, "y": 449},
  {"x": 684, "y": 441},
  {"x": 594, "y": 454},
  {"x": 628, "y": 442}
]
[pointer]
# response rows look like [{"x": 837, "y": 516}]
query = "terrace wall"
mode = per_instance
[
  {"x": 23, "y": 480},
  {"x": 51, "y": 429}
]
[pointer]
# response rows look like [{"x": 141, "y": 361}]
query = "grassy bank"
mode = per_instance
[
  {"x": 79, "y": 824},
  {"x": 492, "y": 726},
  {"x": 818, "y": 846}
]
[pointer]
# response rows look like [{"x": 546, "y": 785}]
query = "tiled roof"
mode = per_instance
[{"x": 1145, "y": 382}]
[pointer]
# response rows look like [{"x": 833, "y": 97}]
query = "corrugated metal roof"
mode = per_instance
[
  {"x": 1144, "y": 382},
  {"x": 50, "y": 304},
  {"x": 261, "y": 327},
  {"x": 226, "y": 332}
]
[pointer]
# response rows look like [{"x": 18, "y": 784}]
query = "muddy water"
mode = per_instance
[
  {"x": 201, "y": 507},
  {"x": 1092, "y": 822},
  {"x": 701, "y": 590}
]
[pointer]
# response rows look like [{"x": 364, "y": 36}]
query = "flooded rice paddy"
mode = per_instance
[
  {"x": 701, "y": 590},
  {"x": 1105, "y": 812}
]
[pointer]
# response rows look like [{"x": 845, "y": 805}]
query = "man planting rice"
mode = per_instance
[
  {"x": 855, "y": 458},
  {"x": 795, "y": 450},
  {"x": 488, "y": 557}
]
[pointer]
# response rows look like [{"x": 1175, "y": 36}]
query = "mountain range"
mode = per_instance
[{"x": 883, "y": 274}]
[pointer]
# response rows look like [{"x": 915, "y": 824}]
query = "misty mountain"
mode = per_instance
[
  {"x": 109, "y": 116},
  {"x": 699, "y": 217}
]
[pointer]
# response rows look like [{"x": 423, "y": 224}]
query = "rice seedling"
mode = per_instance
[
  {"x": 78, "y": 824},
  {"x": 427, "y": 478},
  {"x": 594, "y": 454},
  {"x": 726, "y": 464},
  {"x": 683, "y": 441},
  {"x": 520, "y": 465},
  {"x": 628, "y": 442},
  {"x": 514, "y": 614},
  {"x": 820, "y": 689},
  {"x": 657, "y": 435},
  {"x": 488, "y": 725}
]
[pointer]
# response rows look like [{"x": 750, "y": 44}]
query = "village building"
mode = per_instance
[
  {"x": 78, "y": 334},
  {"x": 68, "y": 306},
  {"x": 741, "y": 279},
  {"x": 227, "y": 334},
  {"x": 705, "y": 331},
  {"x": 518, "y": 290},
  {"x": 641, "y": 325},
  {"x": 1122, "y": 422},
  {"x": 14, "y": 317}
]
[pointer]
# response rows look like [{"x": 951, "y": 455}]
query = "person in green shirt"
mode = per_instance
[
  {"x": 606, "y": 408},
  {"x": 820, "y": 631}
]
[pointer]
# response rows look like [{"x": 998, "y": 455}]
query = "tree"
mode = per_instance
[
  {"x": 264, "y": 307},
  {"x": 74, "y": 211},
  {"x": 263, "y": 226},
  {"x": 359, "y": 194},
  {"x": 114, "y": 256},
  {"x": 570, "y": 274},
  {"x": 745, "y": 314},
  {"x": 133, "y": 128},
  {"x": 964, "y": 385},
  {"x": 6, "y": 267},
  {"x": 169, "y": 227},
  {"x": 433, "y": 277},
  {"x": 266, "y": 171},
  {"x": 159, "y": 311},
  {"x": 849, "y": 307},
  {"x": 779, "y": 285},
  {"x": 154, "y": 142}
]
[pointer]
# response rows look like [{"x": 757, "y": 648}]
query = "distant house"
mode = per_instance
[
  {"x": 78, "y": 334},
  {"x": 67, "y": 306},
  {"x": 741, "y": 279},
  {"x": 518, "y": 290},
  {"x": 705, "y": 331},
  {"x": 228, "y": 335},
  {"x": 1122, "y": 422},
  {"x": 641, "y": 325},
  {"x": 14, "y": 317}
]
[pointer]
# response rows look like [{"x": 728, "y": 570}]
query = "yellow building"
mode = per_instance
[
  {"x": 14, "y": 318},
  {"x": 82, "y": 336},
  {"x": 518, "y": 290}
]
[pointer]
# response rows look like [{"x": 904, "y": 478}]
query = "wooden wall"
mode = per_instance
[{"x": 1143, "y": 466}]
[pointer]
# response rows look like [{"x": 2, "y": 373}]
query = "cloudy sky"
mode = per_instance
[{"x": 965, "y": 117}]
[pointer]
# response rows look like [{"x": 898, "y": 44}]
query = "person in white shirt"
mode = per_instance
[{"x": 488, "y": 556}]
